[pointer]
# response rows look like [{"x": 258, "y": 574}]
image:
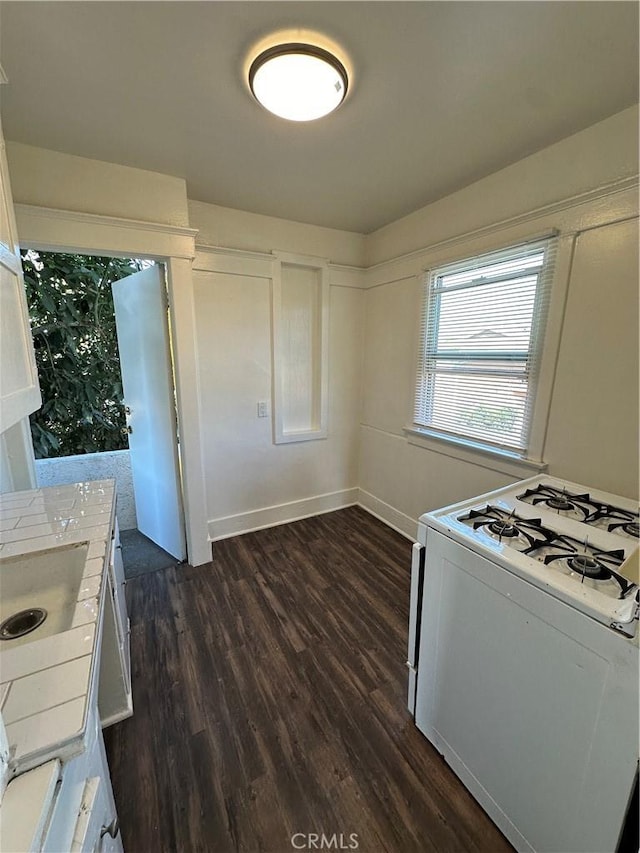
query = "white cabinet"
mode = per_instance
[
  {"x": 19, "y": 388},
  {"x": 69, "y": 796},
  {"x": 97, "y": 828},
  {"x": 63, "y": 805},
  {"x": 83, "y": 817},
  {"x": 114, "y": 692}
]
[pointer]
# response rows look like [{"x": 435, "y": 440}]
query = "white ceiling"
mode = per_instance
[{"x": 443, "y": 93}]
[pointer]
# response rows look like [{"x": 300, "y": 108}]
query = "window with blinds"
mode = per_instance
[{"x": 481, "y": 338}]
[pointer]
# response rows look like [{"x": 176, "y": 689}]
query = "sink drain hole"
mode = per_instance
[{"x": 22, "y": 623}]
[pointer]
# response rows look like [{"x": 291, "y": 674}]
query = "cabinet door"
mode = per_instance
[
  {"x": 119, "y": 583},
  {"x": 116, "y": 568},
  {"x": 114, "y": 693},
  {"x": 19, "y": 388}
]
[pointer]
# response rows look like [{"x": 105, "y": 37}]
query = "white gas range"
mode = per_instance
[{"x": 523, "y": 657}]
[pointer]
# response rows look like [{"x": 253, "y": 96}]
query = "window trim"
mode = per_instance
[
  {"x": 486, "y": 455},
  {"x": 475, "y": 453}
]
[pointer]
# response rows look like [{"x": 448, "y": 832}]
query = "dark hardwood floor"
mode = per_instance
[{"x": 269, "y": 696}]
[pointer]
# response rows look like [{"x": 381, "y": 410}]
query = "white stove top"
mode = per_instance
[{"x": 563, "y": 537}]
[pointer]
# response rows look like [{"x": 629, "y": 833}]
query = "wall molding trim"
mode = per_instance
[
  {"x": 596, "y": 194},
  {"x": 272, "y": 516},
  {"x": 230, "y": 261},
  {"x": 482, "y": 458},
  {"x": 52, "y": 229},
  {"x": 209, "y": 248},
  {"x": 344, "y": 276},
  {"x": 215, "y": 259},
  {"x": 102, "y": 219},
  {"x": 389, "y": 515}
]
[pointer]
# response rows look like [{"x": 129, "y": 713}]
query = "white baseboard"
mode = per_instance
[
  {"x": 392, "y": 517},
  {"x": 246, "y": 522}
]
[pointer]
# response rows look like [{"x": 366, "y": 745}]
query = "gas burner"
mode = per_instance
[
  {"x": 584, "y": 559},
  {"x": 584, "y": 508},
  {"x": 561, "y": 504},
  {"x": 631, "y": 528},
  {"x": 559, "y": 500},
  {"x": 589, "y": 567},
  {"x": 502, "y": 528},
  {"x": 520, "y": 533}
]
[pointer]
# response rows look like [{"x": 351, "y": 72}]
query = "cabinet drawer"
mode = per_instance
[
  {"x": 92, "y": 809},
  {"x": 95, "y": 820}
]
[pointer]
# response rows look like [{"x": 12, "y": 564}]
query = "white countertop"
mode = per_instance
[{"x": 46, "y": 685}]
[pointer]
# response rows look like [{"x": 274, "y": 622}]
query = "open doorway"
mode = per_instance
[{"x": 106, "y": 376}]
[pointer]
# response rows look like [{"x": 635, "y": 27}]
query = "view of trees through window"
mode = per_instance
[{"x": 74, "y": 334}]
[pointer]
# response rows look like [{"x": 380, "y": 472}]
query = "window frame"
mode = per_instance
[{"x": 556, "y": 266}]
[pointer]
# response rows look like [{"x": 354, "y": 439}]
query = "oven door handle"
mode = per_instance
[{"x": 415, "y": 604}]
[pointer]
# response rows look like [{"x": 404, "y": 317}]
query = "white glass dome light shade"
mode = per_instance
[{"x": 298, "y": 82}]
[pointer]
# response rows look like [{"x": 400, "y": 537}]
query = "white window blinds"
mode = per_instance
[{"x": 481, "y": 338}]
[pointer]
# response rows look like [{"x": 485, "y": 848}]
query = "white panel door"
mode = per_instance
[
  {"x": 140, "y": 303},
  {"x": 19, "y": 387}
]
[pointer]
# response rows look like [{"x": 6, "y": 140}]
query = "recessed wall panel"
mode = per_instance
[{"x": 300, "y": 309}]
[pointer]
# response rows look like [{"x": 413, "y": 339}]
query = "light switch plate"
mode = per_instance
[{"x": 263, "y": 409}]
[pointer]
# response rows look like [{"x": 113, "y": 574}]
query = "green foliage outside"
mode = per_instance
[
  {"x": 74, "y": 334},
  {"x": 484, "y": 417}
]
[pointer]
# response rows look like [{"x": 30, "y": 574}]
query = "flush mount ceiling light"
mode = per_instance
[{"x": 299, "y": 82}]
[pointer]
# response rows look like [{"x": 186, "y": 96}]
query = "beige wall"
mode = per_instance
[
  {"x": 66, "y": 182},
  {"x": 250, "y": 480},
  {"x": 223, "y": 226},
  {"x": 591, "y": 424}
]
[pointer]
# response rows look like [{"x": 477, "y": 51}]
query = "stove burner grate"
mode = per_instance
[
  {"x": 589, "y": 510},
  {"x": 507, "y": 525},
  {"x": 586, "y": 560},
  {"x": 559, "y": 499},
  {"x": 632, "y": 528},
  {"x": 546, "y": 545}
]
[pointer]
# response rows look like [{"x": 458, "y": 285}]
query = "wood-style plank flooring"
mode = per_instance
[{"x": 269, "y": 696}]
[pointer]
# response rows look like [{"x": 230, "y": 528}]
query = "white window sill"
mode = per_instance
[{"x": 476, "y": 454}]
